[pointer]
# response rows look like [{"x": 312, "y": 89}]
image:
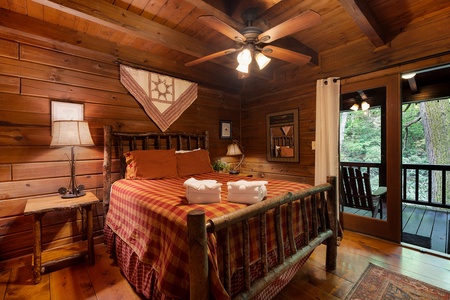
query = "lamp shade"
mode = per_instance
[
  {"x": 233, "y": 149},
  {"x": 242, "y": 68},
  {"x": 71, "y": 133},
  {"x": 245, "y": 57},
  {"x": 262, "y": 60}
]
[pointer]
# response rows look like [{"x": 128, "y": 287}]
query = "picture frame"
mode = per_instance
[
  {"x": 66, "y": 111},
  {"x": 282, "y": 129},
  {"x": 225, "y": 130}
]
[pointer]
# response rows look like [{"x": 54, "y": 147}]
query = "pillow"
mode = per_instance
[
  {"x": 186, "y": 151},
  {"x": 194, "y": 162},
  {"x": 286, "y": 152},
  {"x": 151, "y": 164}
]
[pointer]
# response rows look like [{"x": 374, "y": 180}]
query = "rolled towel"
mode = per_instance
[{"x": 202, "y": 184}]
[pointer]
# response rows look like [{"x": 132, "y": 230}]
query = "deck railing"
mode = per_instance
[{"x": 421, "y": 184}]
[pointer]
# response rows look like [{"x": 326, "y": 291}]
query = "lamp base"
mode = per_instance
[
  {"x": 70, "y": 195},
  {"x": 234, "y": 172}
]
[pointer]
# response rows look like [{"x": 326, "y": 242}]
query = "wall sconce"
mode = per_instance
[
  {"x": 234, "y": 150},
  {"x": 71, "y": 134}
]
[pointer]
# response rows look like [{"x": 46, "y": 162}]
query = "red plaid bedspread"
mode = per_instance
[{"x": 150, "y": 216}]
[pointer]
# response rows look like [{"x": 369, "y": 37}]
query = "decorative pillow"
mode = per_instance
[
  {"x": 195, "y": 162},
  {"x": 286, "y": 152},
  {"x": 151, "y": 164}
]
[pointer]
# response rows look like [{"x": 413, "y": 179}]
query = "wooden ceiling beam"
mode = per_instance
[
  {"x": 36, "y": 32},
  {"x": 112, "y": 16},
  {"x": 366, "y": 20}
]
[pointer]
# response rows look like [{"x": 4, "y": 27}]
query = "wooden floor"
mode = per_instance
[
  {"x": 424, "y": 221},
  {"x": 104, "y": 280}
]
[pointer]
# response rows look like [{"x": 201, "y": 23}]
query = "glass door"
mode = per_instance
[{"x": 370, "y": 144}]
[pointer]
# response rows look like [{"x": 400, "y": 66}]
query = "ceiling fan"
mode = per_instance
[{"x": 254, "y": 42}]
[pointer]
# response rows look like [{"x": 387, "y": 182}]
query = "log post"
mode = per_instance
[
  {"x": 198, "y": 255},
  {"x": 107, "y": 132},
  {"x": 331, "y": 255}
]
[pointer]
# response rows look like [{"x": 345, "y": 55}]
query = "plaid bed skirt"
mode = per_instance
[{"x": 144, "y": 277}]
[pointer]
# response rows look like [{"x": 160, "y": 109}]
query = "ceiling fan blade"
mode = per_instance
[
  {"x": 222, "y": 27},
  {"x": 209, "y": 57},
  {"x": 296, "y": 24},
  {"x": 286, "y": 55}
]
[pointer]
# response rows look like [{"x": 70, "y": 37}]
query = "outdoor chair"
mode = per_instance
[{"x": 357, "y": 193}]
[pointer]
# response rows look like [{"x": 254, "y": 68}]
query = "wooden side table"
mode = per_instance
[{"x": 38, "y": 207}]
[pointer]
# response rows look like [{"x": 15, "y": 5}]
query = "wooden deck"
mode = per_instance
[{"x": 423, "y": 221}]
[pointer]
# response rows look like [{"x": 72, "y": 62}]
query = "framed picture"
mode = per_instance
[
  {"x": 67, "y": 111},
  {"x": 283, "y": 136},
  {"x": 225, "y": 130}
]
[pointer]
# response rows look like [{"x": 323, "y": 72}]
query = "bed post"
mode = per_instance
[
  {"x": 198, "y": 255},
  {"x": 331, "y": 255},
  {"x": 107, "y": 131}
]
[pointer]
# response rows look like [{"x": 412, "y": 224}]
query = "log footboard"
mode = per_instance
[{"x": 324, "y": 226}]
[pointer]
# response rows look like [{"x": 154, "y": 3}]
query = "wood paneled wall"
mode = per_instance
[
  {"x": 254, "y": 139},
  {"x": 31, "y": 76}
]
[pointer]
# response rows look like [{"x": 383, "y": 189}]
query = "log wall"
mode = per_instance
[{"x": 32, "y": 75}]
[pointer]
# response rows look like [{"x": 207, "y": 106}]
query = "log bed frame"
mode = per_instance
[{"x": 324, "y": 221}]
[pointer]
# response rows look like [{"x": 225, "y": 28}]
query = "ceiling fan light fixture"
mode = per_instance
[
  {"x": 365, "y": 106},
  {"x": 262, "y": 60},
  {"x": 354, "y": 107},
  {"x": 245, "y": 57},
  {"x": 242, "y": 68}
]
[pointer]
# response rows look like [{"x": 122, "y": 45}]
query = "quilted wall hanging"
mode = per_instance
[{"x": 163, "y": 98}]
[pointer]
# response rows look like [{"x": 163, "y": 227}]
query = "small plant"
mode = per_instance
[{"x": 220, "y": 166}]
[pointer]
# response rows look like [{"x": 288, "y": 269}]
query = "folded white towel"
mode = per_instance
[
  {"x": 202, "y": 184},
  {"x": 243, "y": 186},
  {"x": 249, "y": 198},
  {"x": 202, "y": 191},
  {"x": 245, "y": 198},
  {"x": 203, "y": 196}
]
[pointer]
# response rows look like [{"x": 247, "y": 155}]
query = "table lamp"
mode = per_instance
[
  {"x": 70, "y": 134},
  {"x": 233, "y": 150}
]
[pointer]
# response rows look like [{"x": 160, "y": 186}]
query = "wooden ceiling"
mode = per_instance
[{"x": 162, "y": 35}]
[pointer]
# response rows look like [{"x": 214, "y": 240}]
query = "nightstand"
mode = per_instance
[{"x": 38, "y": 207}]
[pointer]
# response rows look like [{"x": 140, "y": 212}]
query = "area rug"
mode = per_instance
[
  {"x": 382, "y": 284},
  {"x": 418, "y": 240}
]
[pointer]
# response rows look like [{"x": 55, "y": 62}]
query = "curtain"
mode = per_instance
[{"x": 327, "y": 129}]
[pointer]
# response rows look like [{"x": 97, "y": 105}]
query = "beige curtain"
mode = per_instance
[{"x": 327, "y": 129}]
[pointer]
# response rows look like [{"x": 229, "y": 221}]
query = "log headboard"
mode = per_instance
[{"x": 123, "y": 142}]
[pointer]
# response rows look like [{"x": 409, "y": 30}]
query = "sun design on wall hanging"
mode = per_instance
[{"x": 163, "y": 88}]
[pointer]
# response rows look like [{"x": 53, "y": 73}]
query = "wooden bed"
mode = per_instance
[{"x": 284, "y": 229}]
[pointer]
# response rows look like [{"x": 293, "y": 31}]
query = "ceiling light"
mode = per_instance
[
  {"x": 262, "y": 60},
  {"x": 242, "y": 68},
  {"x": 245, "y": 57},
  {"x": 354, "y": 107},
  {"x": 365, "y": 105},
  {"x": 408, "y": 75}
]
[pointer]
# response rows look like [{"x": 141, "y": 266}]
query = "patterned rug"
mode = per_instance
[{"x": 382, "y": 284}]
